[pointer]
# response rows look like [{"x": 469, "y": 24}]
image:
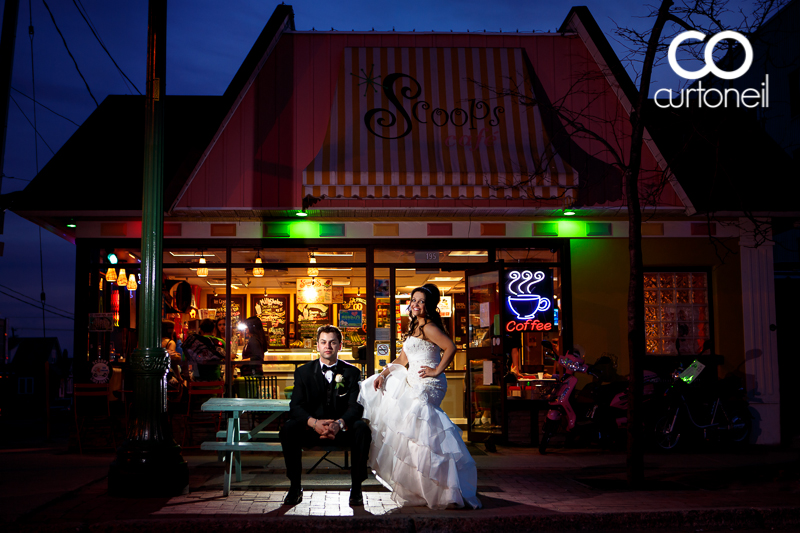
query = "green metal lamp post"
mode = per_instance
[{"x": 149, "y": 462}]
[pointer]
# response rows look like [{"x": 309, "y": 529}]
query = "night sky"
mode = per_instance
[{"x": 207, "y": 40}]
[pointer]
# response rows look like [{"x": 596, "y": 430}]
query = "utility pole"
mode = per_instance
[
  {"x": 7, "y": 41},
  {"x": 149, "y": 462}
]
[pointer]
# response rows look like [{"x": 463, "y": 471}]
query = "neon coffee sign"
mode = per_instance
[{"x": 529, "y": 300}]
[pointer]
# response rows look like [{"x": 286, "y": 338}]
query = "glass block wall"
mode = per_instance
[{"x": 676, "y": 312}]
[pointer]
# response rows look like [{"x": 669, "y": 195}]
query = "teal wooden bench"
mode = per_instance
[{"x": 237, "y": 440}]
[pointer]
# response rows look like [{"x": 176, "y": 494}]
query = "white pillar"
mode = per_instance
[{"x": 760, "y": 342}]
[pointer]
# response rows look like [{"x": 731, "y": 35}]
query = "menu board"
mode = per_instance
[
  {"x": 217, "y": 302},
  {"x": 314, "y": 290},
  {"x": 309, "y": 318},
  {"x": 274, "y": 314}
]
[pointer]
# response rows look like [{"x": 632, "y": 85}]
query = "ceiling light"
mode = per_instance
[
  {"x": 111, "y": 275},
  {"x": 301, "y": 213},
  {"x": 190, "y": 254},
  {"x": 444, "y": 278},
  {"x": 202, "y": 272},
  {"x": 313, "y": 272},
  {"x": 311, "y": 258},
  {"x": 466, "y": 253},
  {"x": 131, "y": 283},
  {"x": 341, "y": 283},
  {"x": 332, "y": 268},
  {"x": 212, "y": 283},
  {"x": 122, "y": 279},
  {"x": 112, "y": 258},
  {"x": 71, "y": 224},
  {"x": 334, "y": 254},
  {"x": 258, "y": 272}
]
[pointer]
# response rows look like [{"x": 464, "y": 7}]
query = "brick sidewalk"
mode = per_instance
[{"x": 569, "y": 490}]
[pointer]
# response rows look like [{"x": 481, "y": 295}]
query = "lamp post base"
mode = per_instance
[{"x": 142, "y": 470}]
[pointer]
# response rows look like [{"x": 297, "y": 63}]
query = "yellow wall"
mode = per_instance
[{"x": 600, "y": 293}]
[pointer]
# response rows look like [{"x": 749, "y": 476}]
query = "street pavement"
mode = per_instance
[{"x": 44, "y": 488}]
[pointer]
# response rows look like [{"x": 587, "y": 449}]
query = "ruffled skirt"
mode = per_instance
[{"x": 417, "y": 451}]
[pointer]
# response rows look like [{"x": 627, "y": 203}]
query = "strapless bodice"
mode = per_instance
[{"x": 421, "y": 352}]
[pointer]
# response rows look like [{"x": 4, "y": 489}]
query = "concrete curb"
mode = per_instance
[{"x": 739, "y": 518}]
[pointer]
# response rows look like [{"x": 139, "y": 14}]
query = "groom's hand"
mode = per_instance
[{"x": 325, "y": 429}]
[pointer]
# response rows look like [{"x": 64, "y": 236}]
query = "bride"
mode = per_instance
[{"x": 417, "y": 451}]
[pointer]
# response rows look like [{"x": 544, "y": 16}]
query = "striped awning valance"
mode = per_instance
[{"x": 435, "y": 122}]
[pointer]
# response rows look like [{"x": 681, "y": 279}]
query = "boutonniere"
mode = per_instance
[{"x": 339, "y": 381}]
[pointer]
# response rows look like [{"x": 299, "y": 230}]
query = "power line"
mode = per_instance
[
  {"x": 44, "y": 106},
  {"x": 35, "y": 131},
  {"x": 37, "y": 306},
  {"x": 28, "y": 297},
  {"x": 70, "y": 53},
  {"x": 91, "y": 27}
]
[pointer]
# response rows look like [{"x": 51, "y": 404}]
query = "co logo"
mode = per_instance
[{"x": 710, "y": 66}]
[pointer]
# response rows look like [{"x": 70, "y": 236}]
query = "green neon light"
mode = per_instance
[
  {"x": 304, "y": 230},
  {"x": 571, "y": 228}
]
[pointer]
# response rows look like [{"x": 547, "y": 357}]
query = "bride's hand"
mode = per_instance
[
  {"x": 427, "y": 372},
  {"x": 379, "y": 381}
]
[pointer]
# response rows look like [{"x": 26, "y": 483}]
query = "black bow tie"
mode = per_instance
[{"x": 325, "y": 368}]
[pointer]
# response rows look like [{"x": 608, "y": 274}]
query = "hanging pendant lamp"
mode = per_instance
[
  {"x": 258, "y": 272},
  {"x": 111, "y": 275},
  {"x": 202, "y": 271}
]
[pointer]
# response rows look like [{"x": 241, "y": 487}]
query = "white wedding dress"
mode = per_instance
[{"x": 416, "y": 449}]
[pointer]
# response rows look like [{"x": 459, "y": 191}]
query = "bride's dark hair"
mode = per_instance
[{"x": 432, "y": 297}]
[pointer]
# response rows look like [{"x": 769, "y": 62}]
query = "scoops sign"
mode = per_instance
[{"x": 529, "y": 300}]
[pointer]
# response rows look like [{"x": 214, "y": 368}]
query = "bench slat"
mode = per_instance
[
  {"x": 260, "y": 435},
  {"x": 249, "y": 446}
]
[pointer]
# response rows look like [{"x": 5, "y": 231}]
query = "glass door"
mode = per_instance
[{"x": 485, "y": 361}]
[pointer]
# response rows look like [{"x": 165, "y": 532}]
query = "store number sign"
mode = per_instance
[{"x": 426, "y": 257}]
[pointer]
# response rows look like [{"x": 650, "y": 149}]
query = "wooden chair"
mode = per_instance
[
  {"x": 261, "y": 387},
  {"x": 92, "y": 411},
  {"x": 198, "y": 392}
]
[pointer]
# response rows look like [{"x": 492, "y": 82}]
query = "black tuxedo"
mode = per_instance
[{"x": 313, "y": 397}]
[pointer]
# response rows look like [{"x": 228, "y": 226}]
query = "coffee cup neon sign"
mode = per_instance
[{"x": 524, "y": 302}]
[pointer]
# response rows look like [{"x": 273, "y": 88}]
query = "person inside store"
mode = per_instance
[
  {"x": 407, "y": 423},
  {"x": 219, "y": 329},
  {"x": 168, "y": 342},
  {"x": 257, "y": 345},
  {"x": 324, "y": 409},
  {"x": 205, "y": 353}
]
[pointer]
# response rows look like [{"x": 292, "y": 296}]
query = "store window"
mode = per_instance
[{"x": 676, "y": 312}]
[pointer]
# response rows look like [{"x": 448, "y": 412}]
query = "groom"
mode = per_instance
[{"x": 324, "y": 410}]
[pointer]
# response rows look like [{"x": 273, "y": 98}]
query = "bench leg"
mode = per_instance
[
  {"x": 226, "y": 487},
  {"x": 323, "y": 458},
  {"x": 238, "y": 456}
]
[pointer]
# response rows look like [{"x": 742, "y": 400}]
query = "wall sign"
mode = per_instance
[
  {"x": 273, "y": 312},
  {"x": 314, "y": 290},
  {"x": 529, "y": 302},
  {"x": 310, "y": 317},
  {"x": 349, "y": 319}
]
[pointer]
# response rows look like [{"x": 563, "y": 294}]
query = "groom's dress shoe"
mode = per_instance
[
  {"x": 356, "y": 498},
  {"x": 294, "y": 496}
]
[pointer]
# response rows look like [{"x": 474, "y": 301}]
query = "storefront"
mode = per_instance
[
  {"x": 415, "y": 158},
  {"x": 486, "y": 305}
]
